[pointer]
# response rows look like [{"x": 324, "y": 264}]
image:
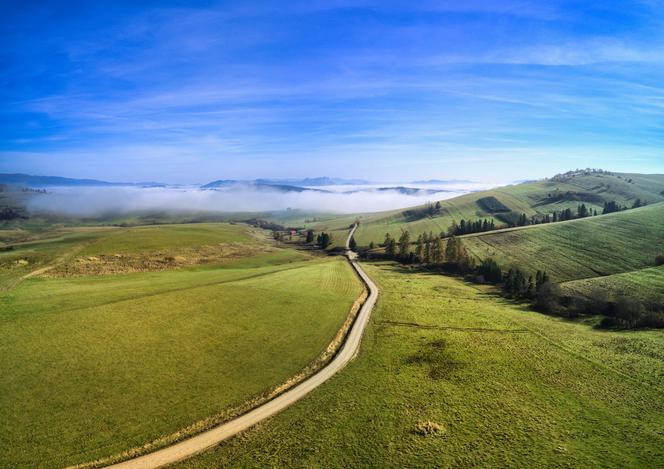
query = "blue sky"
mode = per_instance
[{"x": 383, "y": 90}]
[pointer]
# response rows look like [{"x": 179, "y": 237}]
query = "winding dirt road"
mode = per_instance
[{"x": 214, "y": 436}]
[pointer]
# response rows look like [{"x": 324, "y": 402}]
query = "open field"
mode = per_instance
[
  {"x": 96, "y": 365},
  {"x": 506, "y": 387},
  {"x": 540, "y": 197},
  {"x": 645, "y": 284},
  {"x": 590, "y": 247},
  {"x": 145, "y": 238},
  {"x": 101, "y": 250}
]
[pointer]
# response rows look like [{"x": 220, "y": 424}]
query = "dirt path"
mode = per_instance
[
  {"x": 11, "y": 284},
  {"x": 214, "y": 436}
]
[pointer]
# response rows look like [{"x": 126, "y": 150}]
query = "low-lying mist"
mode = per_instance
[{"x": 103, "y": 201}]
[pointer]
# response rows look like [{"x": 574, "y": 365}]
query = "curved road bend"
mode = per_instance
[{"x": 216, "y": 435}]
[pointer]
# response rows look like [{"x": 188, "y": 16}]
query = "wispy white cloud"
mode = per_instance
[{"x": 270, "y": 85}]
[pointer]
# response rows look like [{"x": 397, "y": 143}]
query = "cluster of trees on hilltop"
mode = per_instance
[
  {"x": 516, "y": 284},
  {"x": 430, "y": 250},
  {"x": 483, "y": 225},
  {"x": 429, "y": 210},
  {"x": 568, "y": 214},
  {"x": 582, "y": 211},
  {"x": 324, "y": 240},
  {"x": 432, "y": 209},
  {"x": 613, "y": 206},
  {"x": 469, "y": 226},
  {"x": 580, "y": 172}
]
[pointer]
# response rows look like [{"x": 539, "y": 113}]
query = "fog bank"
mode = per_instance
[{"x": 99, "y": 201}]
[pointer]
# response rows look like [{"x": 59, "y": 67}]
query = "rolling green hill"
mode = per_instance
[
  {"x": 504, "y": 203},
  {"x": 576, "y": 249}
]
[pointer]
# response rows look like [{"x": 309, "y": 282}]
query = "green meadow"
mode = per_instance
[
  {"x": 450, "y": 375},
  {"x": 96, "y": 365},
  {"x": 144, "y": 238}
]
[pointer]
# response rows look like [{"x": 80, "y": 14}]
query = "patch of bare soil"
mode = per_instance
[{"x": 147, "y": 261}]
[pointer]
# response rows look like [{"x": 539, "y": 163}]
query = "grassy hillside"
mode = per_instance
[
  {"x": 93, "y": 366},
  {"x": 590, "y": 247},
  {"x": 532, "y": 198},
  {"x": 507, "y": 387},
  {"x": 645, "y": 284}
]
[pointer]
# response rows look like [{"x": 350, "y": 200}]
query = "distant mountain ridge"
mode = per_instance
[
  {"x": 317, "y": 181},
  {"x": 401, "y": 190},
  {"x": 255, "y": 185},
  {"x": 443, "y": 181},
  {"x": 277, "y": 185},
  {"x": 290, "y": 185},
  {"x": 265, "y": 184},
  {"x": 18, "y": 179}
]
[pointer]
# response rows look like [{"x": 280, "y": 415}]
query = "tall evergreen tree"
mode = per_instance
[
  {"x": 490, "y": 270},
  {"x": 451, "y": 249},
  {"x": 453, "y": 229},
  {"x": 390, "y": 247},
  {"x": 404, "y": 245},
  {"x": 419, "y": 249},
  {"x": 427, "y": 249},
  {"x": 439, "y": 250},
  {"x": 324, "y": 240}
]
